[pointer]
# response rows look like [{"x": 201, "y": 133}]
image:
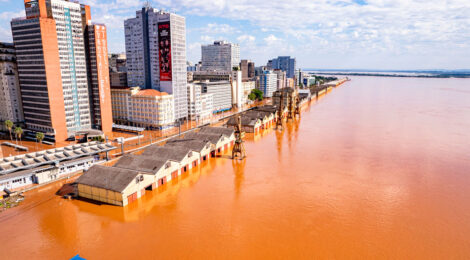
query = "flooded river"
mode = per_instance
[{"x": 379, "y": 168}]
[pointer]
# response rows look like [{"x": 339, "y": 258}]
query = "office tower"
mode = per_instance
[
  {"x": 10, "y": 95},
  {"x": 281, "y": 78},
  {"x": 98, "y": 77},
  {"x": 248, "y": 69},
  {"x": 284, "y": 63},
  {"x": 220, "y": 56},
  {"x": 156, "y": 54},
  {"x": 52, "y": 66},
  {"x": 268, "y": 83}
]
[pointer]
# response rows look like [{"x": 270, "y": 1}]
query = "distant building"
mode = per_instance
[
  {"x": 248, "y": 86},
  {"x": 212, "y": 76},
  {"x": 117, "y": 62},
  {"x": 147, "y": 108},
  {"x": 10, "y": 93},
  {"x": 200, "y": 105},
  {"x": 309, "y": 81},
  {"x": 299, "y": 77},
  {"x": 57, "y": 95},
  {"x": 281, "y": 78},
  {"x": 248, "y": 69},
  {"x": 118, "y": 79},
  {"x": 268, "y": 83},
  {"x": 195, "y": 67},
  {"x": 220, "y": 56},
  {"x": 156, "y": 54},
  {"x": 284, "y": 63},
  {"x": 222, "y": 94}
]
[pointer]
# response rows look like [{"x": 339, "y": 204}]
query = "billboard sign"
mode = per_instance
[{"x": 164, "y": 50}]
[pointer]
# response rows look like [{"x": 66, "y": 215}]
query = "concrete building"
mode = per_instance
[
  {"x": 52, "y": 64},
  {"x": 237, "y": 89},
  {"x": 10, "y": 94},
  {"x": 220, "y": 56},
  {"x": 156, "y": 54},
  {"x": 247, "y": 86},
  {"x": 200, "y": 105},
  {"x": 281, "y": 78},
  {"x": 22, "y": 171},
  {"x": 299, "y": 77},
  {"x": 118, "y": 79},
  {"x": 98, "y": 75},
  {"x": 268, "y": 83},
  {"x": 212, "y": 76},
  {"x": 309, "y": 81},
  {"x": 133, "y": 175},
  {"x": 248, "y": 69},
  {"x": 284, "y": 63},
  {"x": 222, "y": 94},
  {"x": 148, "y": 108},
  {"x": 117, "y": 62}
]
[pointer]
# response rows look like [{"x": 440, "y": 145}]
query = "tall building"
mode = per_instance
[
  {"x": 268, "y": 83},
  {"x": 284, "y": 63},
  {"x": 248, "y": 69},
  {"x": 156, "y": 54},
  {"x": 98, "y": 77},
  {"x": 281, "y": 78},
  {"x": 10, "y": 95},
  {"x": 220, "y": 56},
  {"x": 52, "y": 44},
  {"x": 222, "y": 94}
]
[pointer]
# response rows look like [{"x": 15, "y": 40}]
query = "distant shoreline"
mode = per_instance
[{"x": 375, "y": 74}]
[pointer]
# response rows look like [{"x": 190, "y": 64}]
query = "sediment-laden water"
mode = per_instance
[{"x": 379, "y": 168}]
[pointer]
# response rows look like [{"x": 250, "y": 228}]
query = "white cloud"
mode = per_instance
[{"x": 246, "y": 38}]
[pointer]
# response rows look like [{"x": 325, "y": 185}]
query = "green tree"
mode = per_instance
[
  {"x": 9, "y": 126},
  {"x": 252, "y": 96},
  {"x": 258, "y": 93},
  {"x": 39, "y": 137},
  {"x": 18, "y": 133}
]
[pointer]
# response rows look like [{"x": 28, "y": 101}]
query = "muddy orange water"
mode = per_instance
[{"x": 379, "y": 168}]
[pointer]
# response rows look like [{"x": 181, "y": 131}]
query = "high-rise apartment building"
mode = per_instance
[
  {"x": 220, "y": 56},
  {"x": 10, "y": 95},
  {"x": 268, "y": 83},
  {"x": 248, "y": 69},
  {"x": 51, "y": 47},
  {"x": 284, "y": 63},
  {"x": 156, "y": 54},
  {"x": 281, "y": 78}
]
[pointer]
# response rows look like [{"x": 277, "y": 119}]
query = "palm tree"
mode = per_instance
[
  {"x": 18, "y": 133},
  {"x": 9, "y": 126},
  {"x": 39, "y": 137}
]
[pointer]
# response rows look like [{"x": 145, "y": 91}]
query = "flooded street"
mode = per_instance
[{"x": 379, "y": 168}]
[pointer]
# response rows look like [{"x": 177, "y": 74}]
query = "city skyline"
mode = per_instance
[{"x": 354, "y": 34}]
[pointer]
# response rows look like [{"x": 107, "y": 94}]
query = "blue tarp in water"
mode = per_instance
[{"x": 77, "y": 257}]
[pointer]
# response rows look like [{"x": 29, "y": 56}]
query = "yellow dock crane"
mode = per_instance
[{"x": 239, "y": 146}]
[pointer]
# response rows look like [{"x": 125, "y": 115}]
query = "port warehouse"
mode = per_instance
[
  {"x": 23, "y": 171},
  {"x": 133, "y": 175}
]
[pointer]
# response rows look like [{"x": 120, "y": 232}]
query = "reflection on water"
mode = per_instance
[{"x": 377, "y": 168}]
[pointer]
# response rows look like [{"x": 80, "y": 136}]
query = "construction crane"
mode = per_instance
[
  {"x": 239, "y": 146},
  {"x": 297, "y": 106}
]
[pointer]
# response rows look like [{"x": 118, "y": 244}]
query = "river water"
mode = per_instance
[{"x": 379, "y": 168}]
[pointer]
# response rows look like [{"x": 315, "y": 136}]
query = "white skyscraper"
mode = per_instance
[
  {"x": 220, "y": 56},
  {"x": 156, "y": 54}
]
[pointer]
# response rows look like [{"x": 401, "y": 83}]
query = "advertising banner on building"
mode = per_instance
[{"x": 164, "y": 51}]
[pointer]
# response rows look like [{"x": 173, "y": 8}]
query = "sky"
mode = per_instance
[{"x": 320, "y": 34}]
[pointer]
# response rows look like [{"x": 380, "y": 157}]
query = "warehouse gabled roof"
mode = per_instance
[
  {"x": 174, "y": 153},
  {"x": 213, "y": 138},
  {"x": 195, "y": 144},
  {"x": 246, "y": 121},
  {"x": 109, "y": 178},
  {"x": 146, "y": 164},
  {"x": 217, "y": 130}
]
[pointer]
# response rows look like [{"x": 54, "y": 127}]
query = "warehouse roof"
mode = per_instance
[
  {"x": 147, "y": 164},
  {"x": 51, "y": 156},
  {"x": 217, "y": 130},
  {"x": 109, "y": 178},
  {"x": 213, "y": 138},
  {"x": 195, "y": 144},
  {"x": 174, "y": 153},
  {"x": 246, "y": 121}
]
